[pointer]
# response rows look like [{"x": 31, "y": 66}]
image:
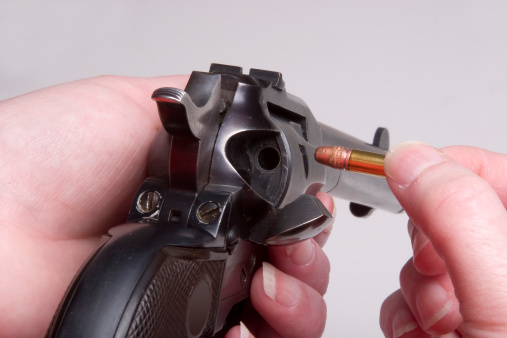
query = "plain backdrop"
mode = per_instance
[{"x": 434, "y": 71}]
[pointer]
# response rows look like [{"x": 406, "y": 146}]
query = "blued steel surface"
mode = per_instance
[{"x": 231, "y": 172}]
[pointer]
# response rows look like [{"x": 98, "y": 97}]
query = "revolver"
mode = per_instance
[{"x": 231, "y": 172}]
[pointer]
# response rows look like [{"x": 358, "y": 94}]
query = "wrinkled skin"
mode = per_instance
[{"x": 456, "y": 283}]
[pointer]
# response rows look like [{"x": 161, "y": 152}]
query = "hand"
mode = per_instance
[
  {"x": 72, "y": 157},
  {"x": 288, "y": 292},
  {"x": 456, "y": 282}
]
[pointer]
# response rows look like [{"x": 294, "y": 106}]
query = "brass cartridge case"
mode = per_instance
[{"x": 351, "y": 159}]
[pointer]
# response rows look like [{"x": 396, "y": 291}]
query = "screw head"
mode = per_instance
[
  {"x": 232, "y": 239},
  {"x": 148, "y": 201},
  {"x": 208, "y": 212}
]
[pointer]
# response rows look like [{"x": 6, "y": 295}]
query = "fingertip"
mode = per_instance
[
  {"x": 239, "y": 331},
  {"x": 328, "y": 202},
  {"x": 244, "y": 332},
  {"x": 407, "y": 160},
  {"x": 431, "y": 300},
  {"x": 305, "y": 261},
  {"x": 437, "y": 309},
  {"x": 234, "y": 332},
  {"x": 426, "y": 260},
  {"x": 301, "y": 254},
  {"x": 433, "y": 303},
  {"x": 322, "y": 238},
  {"x": 396, "y": 319},
  {"x": 289, "y": 306},
  {"x": 403, "y": 323}
]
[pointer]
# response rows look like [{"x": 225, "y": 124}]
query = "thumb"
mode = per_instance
[{"x": 466, "y": 222}]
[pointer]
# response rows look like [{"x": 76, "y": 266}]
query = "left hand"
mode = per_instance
[
  {"x": 287, "y": 292},
  {"x": 73, "y": 156}
]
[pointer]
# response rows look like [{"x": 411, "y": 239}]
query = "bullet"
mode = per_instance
[{"x": 351, "y": 159}]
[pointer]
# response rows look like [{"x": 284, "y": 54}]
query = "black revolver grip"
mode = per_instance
[
  {"x": 180, "y": 300},
  {"x": 134, "y": 287}
]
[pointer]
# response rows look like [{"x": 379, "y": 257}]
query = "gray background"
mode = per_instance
[{"x": 434, "y": 71}]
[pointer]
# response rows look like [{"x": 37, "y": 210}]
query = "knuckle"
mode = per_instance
[
  {"x": 446, "y": 193},
  {"x": 464, "y": 191}
]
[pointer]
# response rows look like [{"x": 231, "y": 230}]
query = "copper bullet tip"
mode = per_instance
[{"x": 335, "y": 157}]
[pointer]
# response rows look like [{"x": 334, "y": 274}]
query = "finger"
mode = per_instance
[
  {"x": 239, "y": 331},
  {"x": 465, "y": 220},
  {"x": 305, "y": 261},
  {"x": 489, "y": 165},
  {"x": 254, "y": 323},
  {"x": 425, "y": 258},
  {"x": 328, "y": 202},
  {"x": 396, "y": 319},
  {"x": 431, "y": 300},
  {"x": 289, "y": 306}
]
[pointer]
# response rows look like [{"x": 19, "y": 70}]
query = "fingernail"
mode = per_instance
[
  {"x": 406, "y": 161},
  {"x": 243, "y": 331},
  {"x": 403, "y": 322},
  {"x": 433, "y": 303},
  {"x": 280, "y": 288},
  {"x": 420, "y": 241},
  {"x": 301, "y": 253}
]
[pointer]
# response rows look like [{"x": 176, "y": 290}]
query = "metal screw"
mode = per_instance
[
  {"x": 208, "y": 212},
  {"x": 148, "y": 201},
  {"x": 232, "y": 239}
]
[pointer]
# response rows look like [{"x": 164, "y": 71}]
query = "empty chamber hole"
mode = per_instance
[{"x": 268, "y": 158}]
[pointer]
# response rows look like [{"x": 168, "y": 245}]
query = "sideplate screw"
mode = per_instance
[
  {"x": 208, "y": 212},
  {"x": 148, "y": 201}
]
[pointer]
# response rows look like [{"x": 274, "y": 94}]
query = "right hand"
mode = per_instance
[{"x": 456, "y": 283}]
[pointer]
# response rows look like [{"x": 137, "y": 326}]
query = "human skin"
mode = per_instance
[
  {"x": 456, "y": 282},
  {"x": 73, "y": 156}
]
